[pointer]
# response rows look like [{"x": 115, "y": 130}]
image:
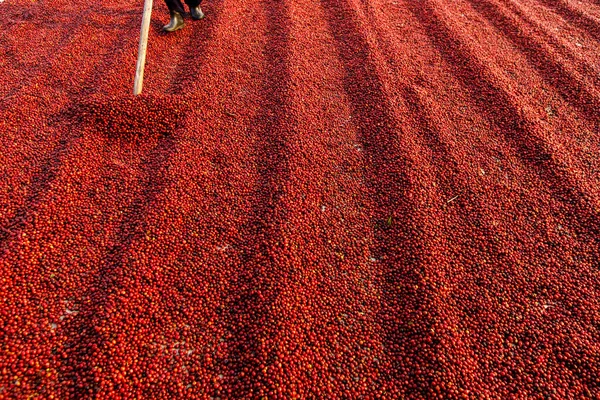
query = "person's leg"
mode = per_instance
[
  {"x": 195, "y": 9},
  {"x": 175, "y": 6},
  {"x": 193, "y": 3},
  {"x": 176, "y": 11}
]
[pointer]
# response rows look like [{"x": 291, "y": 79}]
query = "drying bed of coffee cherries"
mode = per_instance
[{"x": 333, "y": 199}]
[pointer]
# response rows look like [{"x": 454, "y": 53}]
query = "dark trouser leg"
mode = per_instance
[
  {"x": 175, "y": 5},
  {"x": 193, "y": 3}
]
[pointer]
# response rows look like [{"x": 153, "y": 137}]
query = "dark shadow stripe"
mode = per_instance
[
  {"x": 258, "y": 284},
  {"x": 386, "y": 174},
  {"x": 194, "y": 58},
  {"x": 86, "y": 340}
]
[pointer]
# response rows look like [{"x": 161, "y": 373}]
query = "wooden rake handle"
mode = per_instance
[{"x": 141, "y": 61}]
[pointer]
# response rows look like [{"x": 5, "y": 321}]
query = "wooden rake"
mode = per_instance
[{"x": 141, "y": 61}]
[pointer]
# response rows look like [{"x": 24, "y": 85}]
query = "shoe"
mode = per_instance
[
  {"x": 196, "y": 13},
  {"x": 175, "y": 23}
]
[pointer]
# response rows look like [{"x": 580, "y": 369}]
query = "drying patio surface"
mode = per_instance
[{"x": 311, "y": 199}]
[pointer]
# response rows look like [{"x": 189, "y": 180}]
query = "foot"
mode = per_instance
[
  {"x": 175, "y": 23},
  {"x": 196, "y": 13}
]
